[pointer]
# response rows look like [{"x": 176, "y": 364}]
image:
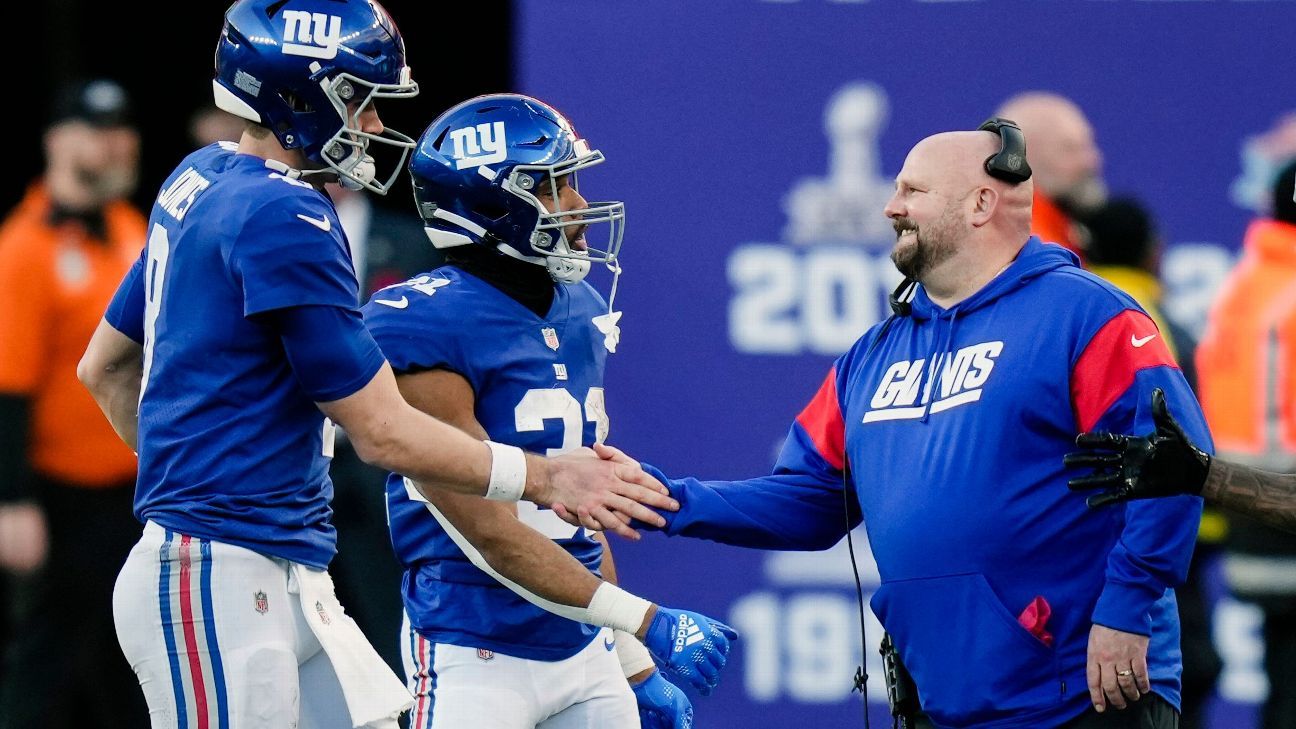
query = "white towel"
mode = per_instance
[{"x": 374, "y": 695}]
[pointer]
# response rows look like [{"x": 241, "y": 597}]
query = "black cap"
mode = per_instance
[
  {"x": 99, "y": 102},
  {"x": 1121, "y": 233}
]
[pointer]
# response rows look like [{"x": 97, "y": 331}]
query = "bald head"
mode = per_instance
[
  {"x": 946, "y": 207},
  {"x": 1059, "y": 146},
  {"x": 955, "y": 163},
  {"x": 957, "y": 156}
]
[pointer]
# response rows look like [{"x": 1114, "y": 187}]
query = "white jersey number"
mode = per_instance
[
  {"x": 538, "y": 406},
  {"x": 155, "y": 265}
]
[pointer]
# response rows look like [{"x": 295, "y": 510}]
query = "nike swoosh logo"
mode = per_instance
[
  {"x": 400, "y": 303},
  {"x": 1137, "y": 342},
  {"x": 609, "y": 643},
  {"x": 321, "y": 223}
]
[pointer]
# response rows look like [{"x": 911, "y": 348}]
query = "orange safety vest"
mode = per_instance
[
  {"x": 1245, "y": 360},
  {"x": 55, "y": 283}
]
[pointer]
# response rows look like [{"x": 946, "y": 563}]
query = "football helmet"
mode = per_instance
[
  {"x": 476, "y": 172},
  {"x": 307, "y": 70}
]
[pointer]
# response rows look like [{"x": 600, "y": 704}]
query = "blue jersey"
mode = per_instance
[
  {"x": 538, "y": 385},
  {"x": 231, "y": 448}
]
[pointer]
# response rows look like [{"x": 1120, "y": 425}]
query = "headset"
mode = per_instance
[{"x": 1009, "y": 163}]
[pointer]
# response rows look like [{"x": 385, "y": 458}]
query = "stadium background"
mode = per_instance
[{"x": 712, "y": 116}]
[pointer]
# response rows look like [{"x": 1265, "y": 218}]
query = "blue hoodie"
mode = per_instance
[{"x": 949, "y": 426}]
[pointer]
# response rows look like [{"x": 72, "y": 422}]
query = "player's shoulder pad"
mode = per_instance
[
  {"x": 284, "y": 204},
  {"x": 441, "y": 294}
]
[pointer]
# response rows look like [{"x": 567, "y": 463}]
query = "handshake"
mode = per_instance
[{"x": 600, "y": 489}]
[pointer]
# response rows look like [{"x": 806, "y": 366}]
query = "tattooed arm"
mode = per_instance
[
  {"x": 1166, "y": 463},
  {"x": 1268, "y": 497}
]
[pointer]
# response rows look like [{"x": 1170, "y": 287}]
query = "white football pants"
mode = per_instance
[
  {"x": 216, "y": 635},
  {"x": 461, "y": 688}
]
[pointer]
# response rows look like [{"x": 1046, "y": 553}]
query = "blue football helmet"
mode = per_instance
[
  {"x": 293, "y": 66},
  {"x": 476, "y": 170}
]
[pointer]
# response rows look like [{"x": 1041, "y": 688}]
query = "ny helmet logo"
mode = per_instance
[
  {"x": 479, "y": 145},
  {"x": 314, "y": 35}
]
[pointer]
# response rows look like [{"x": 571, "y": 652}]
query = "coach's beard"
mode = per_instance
[{"x": 916, "y": 252}]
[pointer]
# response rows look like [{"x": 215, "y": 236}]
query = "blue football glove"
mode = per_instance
[
  {"x": 690, "y": 646},
  {"x": 662, "y": 705}
]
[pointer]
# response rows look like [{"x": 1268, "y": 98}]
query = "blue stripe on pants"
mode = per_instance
[
  {"x": 168, "y": 631},
  {"x": 209, "y": 621}
]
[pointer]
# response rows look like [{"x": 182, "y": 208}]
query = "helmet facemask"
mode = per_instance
[
  {"x": 347, "y": 152},
  {"x": 566, "y": 263}
]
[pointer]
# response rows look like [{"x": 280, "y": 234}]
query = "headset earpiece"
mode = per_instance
[{"x": 1009, "y": 163}]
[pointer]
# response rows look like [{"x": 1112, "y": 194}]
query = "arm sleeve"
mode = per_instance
[
  {"x": 126, "y": 310},
  {"x": 283, "y": 257},
  {"x": 409, "y": 337},
  {"x": 328, "y": 348},
  {"x": 800, "y": 506},
  {"x": 1111, "y": 390}
]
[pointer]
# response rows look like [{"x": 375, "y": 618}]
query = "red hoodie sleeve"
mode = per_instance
[{"x": 1111, "y": 390}]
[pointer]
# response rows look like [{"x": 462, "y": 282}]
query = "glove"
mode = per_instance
[
  {"x": 662, "y": 705},
  {"x": 1162, "y": 463},
  {"x": 690, "y": 646}
]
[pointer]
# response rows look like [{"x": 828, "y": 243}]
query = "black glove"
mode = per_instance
[{"x": 1163, "y": 463}]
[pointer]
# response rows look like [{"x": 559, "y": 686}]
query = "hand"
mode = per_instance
[
  {"x": 690, "y": 646},
  {"x": 605, "y": 489},
  {"x": 661, "y": 704},
  {"x": 23, "y": 537},
  {"x": 1162, "y": 463},
  {"x": 1117, "y": 667}
]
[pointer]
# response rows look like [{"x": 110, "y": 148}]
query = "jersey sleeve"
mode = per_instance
[
  {"x": 421, "y": 335},
  {"x": 291, "y": 252},
  {"x": 328, "y": 348},
  {"x": 1111, "y": 390},
  {"x": 800, "y": 506},
  {"x": 25, "y": 315},
  {"x": 126, "y": 310}
]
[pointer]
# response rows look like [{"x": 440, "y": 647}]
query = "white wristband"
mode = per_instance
[
  {"x": 508, "y": 472},
  {"x": 617, "y": 609},
  {"x": 634, "y": 657}
]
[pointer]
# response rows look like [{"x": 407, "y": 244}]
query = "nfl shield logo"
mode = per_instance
[
  {"x": 484, "y": 654},
  {"x": 324, "y": 616},
  {"x": 550, "y": 337},
  {"x": 260, "y": 602}
]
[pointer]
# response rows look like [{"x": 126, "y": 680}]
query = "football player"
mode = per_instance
[
  {"x": 236, "y": 327},
  {"x": 509, "y": 343}
]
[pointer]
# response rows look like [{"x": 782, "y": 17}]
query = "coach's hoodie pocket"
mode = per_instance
[{"x": 972, "y": 661}]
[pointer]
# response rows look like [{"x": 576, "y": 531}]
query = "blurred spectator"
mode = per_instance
[
  {"x": 66, "y": 480},
  {"x": 1245, "y": 365},
  {"x": 1124, "y": 247},
  {"x": 1067, "y": 164},
  {"x": 387, "y": 247},
  {"x": 211, "y": 124}
]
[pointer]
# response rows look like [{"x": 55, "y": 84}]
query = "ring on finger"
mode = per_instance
[{"x": 1126, "y": 673}]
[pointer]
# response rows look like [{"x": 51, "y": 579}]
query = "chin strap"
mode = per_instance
[{"x": 607, "y": 323}]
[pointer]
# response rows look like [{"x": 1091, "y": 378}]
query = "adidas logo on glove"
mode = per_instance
[{"x": 686, "y": 633}]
